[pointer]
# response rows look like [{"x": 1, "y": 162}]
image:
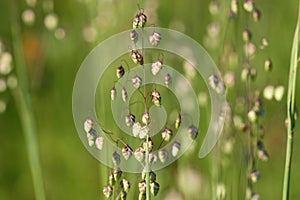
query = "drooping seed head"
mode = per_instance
[
  {"x": 247, "y": 35},
  {"x": 139, "y": 154},
  {"x": 113, "y": 93},
  {"x": 129, "y": 120},
  {"x": 155, "y": 97},
  {"x": 155, "y": 38},
  {"x": 149, "y": 146},
  {"x": 125, "y": 184},
  {"x": 167, "y": 134},
  {"x": 178, "y": 121},
  {"x": 256, "y": 15},
  {"x": 111, "y": 179},
  {"x": 269, "y": 92},
  {"x": 168, "y": 79},
  {"x": 142, "y": 196},
  {"x": 268, "y": 65},
  {"x": 279, "y": 92},
  {"x": 254, "y": 176},
  {"x": 249, "y": 49},
  {"x": 263, "y": 155},
  {"x": 254, "y": 196},
  {"x": 249, "y": 5},
  {"x": 127, "y": 152},
  {"x": 142, "y": 186},
  {"x": 216, "y": 84},
  {"x": 136, "y": 81},
  {"x": 117, "y": 173},
  {"x": 123, "y": 195},
  {"x": 120, "y": 71},
  {"x": 234, "y": 7},
  {"x": 163, "y": 155},
  {"x": 124, "y": 94},
  {"x": 99, "y": 142},
  {"x": 152, "y": 157},
  {"x": 156, "y": 67},
  {"x": 146, "y": 118},
  {"x": 88, "y": 124},
  {"x": 142, "y": 19},
  {"x": 134, "y": 36},
  {"x": 144, "y": 132},
  {"x": 136, "y": 128},
  {"x": 107, "y": 191},
  {"x": 154, "y": 188},
  {"x": 175, "y": 148},
  {"x": 116, "y": 159},
  {"x": 193, "y": 131},
  {"x": 137, "y": 58},
  {"x": 214, "y": 7}
]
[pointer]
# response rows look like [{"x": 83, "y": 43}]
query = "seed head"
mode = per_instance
[
  {"x": 139, "y": 154},
  {"x": 156, "y": 67},
  {"x": 136, "y": 81},
  {"x": 137, "y": 58},
  {"x": 124, "y": 94},
  {"x": 123, "y": 195},
  {"x": 155, "y": 97},
  {"x": 116, "y": 159},
  {"x": 99, "y": 142},
  {"x": 168, "y": 79},
  {"x": 134, "y": 36},
  {"x": 149, "y": 146},
  {"x": 269, "y": 92},
  {"x": 127, "y": 152},
  {"x": 139, "y": 20},
  {"x": 136, "y": 128},
  {"x": 178, "y": 121},
  {"x": 166, "y": 134},
  {"x": 88, "y": 124},
  {"x": 254, "y": 176},
  {"x": 113, "y": 93},
  {"x": 146, "y": 118},
  {"x": 234, "y": 7},
  {"x": 129, "y": 120},
  {"x": 125, "y": 184},
  {"x": 120, "y": 71},
  {"x": 248, "y": 5},
  {"x": 279, "y": 91},
  {"x": 142, "y": 196},
  {"x": 247, "y": 35},
  {"x": 144, "y": 132},
  {"x": 175, "y": 149},
  {"x": 268, "y": 65},
  {"x": 142, "y": 186},
  {"x": 117, "y": 174},
  {"x": 256, "y": 15},
  {"x": 111, "y": 179},
  {"x": 154, "y": 188},
  {"x": 216, "y": 84},
  {"x": 152, "y": 157},
  {"x": 155, "y": 38},
  {"x": 193, "y": 131},
  {"x": 107, "y": 191},
  {"x": 152, "y": 175},
  {"x": 163, "y": 155}
]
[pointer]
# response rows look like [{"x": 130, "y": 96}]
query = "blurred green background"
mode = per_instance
[{"x": 53, "y": 58}]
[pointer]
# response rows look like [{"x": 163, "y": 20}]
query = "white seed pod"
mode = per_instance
[
  {"x": 88, "y": 124},
  {"x": 193, "y": 131},
  {"x": 166, "y": 134},
  {"x": 124, "y": 94},
  {"x": 252, "y": 116},
  {"x": 107, "y": 191},
  {"x": 155, "y": 97},
  {"x": 175, "y": 148},
  {"x": 139, "y": 154},
  {"x": 136, "y": 128},
  {"x": 125, "y": 184},
  {"x": 136, "y": 57},
  {"x": 127, "y": 152},
  {"x": 5, "y": 63},
  {"x": 234, "y": 7},
  {"x": 99, "y": 142},
  {"x": 156, "y": 67},
  {"x": 134, "y": 36},
  {"x": 168, "y": 79},
  {"x": 279, "y": 92},
  {"x": 249, "y": 49},
  {"x": 154, "y": 188},
  {"x": 155, "y": 38},
  {"x": 216, "y": 84},
  {"x": 129, "y": 120},
  {"x": 269, "y": 92},
  {"x": 146, "y": 118},
  {"x": 163, "y": 155},
  {"x": 113, "y": 93},
  {"x": 268, "y": 65},
  {"x": 262, "y": 155},
  {"x": 144, "y": 132},
  {"x": 136, "y": 81},
  {"x": 120, "y": 71},
  {"x": 116, "y": 159},
  {"x": 142, "y": 19}
]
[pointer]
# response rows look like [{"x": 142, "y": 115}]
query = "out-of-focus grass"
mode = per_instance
[{"x": 69, "y": 171}]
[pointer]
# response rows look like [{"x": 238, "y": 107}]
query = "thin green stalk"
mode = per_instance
[
  {"x": 24, "y": 104},
  {"x": 291, "y": 111}
]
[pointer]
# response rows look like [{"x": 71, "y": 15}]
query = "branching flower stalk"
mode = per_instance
[{"x": 291, "y": 112}]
